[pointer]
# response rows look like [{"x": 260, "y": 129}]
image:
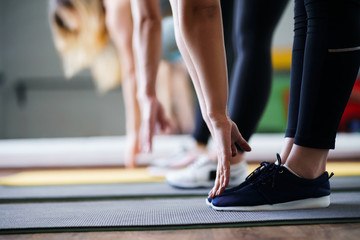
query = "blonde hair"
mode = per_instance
[{"x": 82, "y": 41}]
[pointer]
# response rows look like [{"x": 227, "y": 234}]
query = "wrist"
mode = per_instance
[
  {"x": 145, "y": 95},
  {"x": 218, "y": 117}
]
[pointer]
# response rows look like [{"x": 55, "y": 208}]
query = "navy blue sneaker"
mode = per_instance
[
  {"x": 277, "y": 189},
  {"x": 249, "y": 179}
]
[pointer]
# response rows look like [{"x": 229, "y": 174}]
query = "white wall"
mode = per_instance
[{"x": 284, "y": 31}]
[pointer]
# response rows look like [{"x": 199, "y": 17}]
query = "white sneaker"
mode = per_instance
[
  {"x": 202, "y": 174},
  {"x": 179, "y": 160}
]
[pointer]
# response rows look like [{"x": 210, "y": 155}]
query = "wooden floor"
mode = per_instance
[{"x": 322, "y": 231}]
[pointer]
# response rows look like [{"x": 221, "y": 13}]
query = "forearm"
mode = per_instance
[
  {"x": 132, "y": 110},
  {"x": 200, "y": 24},
  {"x": 200, "y": 37},
  {"x": 146, "y": 44},
  {"x": 120, "y": 27}
]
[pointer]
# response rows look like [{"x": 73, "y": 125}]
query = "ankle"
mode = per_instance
[
  {"x": 290, "y": 170},
  {"x": 305, "y": 171},
  {"x": 239, "y": 157},
  {"x": 288, "y": 144},
  {"x": 307, "y": 162}
]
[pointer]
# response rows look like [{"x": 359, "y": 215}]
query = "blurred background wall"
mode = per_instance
[
  {"x": 1, "y": 71},
  {"x": 36, "y": 100}
]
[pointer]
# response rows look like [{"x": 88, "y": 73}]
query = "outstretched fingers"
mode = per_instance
[
  {"x": 227, "y": 149},
  {"x": 146, "y": 133},
  {"x": 163, "y": 121},
  {"x": 237, "y": 139},
  {"x": 222, "y": 175},
  {"x": 152, "y": 114}
]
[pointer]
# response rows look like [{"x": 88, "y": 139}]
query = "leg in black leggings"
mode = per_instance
[
  {"x": 326, "y": 59},
  {"x": 201, "y": 132},
  {"x": 255, "y": 22}
]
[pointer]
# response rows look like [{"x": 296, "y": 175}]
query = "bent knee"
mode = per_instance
[
  {"x": 201, "y": 8},
  {"x": 198, "y": 13}
]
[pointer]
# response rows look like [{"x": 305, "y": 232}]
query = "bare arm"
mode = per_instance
[
  {"x": 147, "y": 43},
  {"x": 147, "y": 49},
  {"x": 200, "y": 39},
  {"x": 120, "y": 26}
]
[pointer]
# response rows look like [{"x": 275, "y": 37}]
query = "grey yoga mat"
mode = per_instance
[
  {"x": 174, "y": 213},
  {"x": 123, "y": 191}
]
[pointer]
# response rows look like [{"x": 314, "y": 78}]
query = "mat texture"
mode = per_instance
[
  {"x": 10, "y": 194},
  {"x": 160, "y": 214},
  {"x": 104, "y": 176},
  {"x": 90, "y": 192}
]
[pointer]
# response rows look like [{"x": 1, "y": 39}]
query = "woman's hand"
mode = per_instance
[
  {"x": 152, "y": 114},
  {"x": 226, "y": 136}
]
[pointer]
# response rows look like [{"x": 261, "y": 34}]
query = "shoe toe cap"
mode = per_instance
[{"x": 244, "y": 197}]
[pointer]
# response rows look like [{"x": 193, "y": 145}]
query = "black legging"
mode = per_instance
[
  {"x": 250, "y": 70},
  {"x": 325, "y": 62}
]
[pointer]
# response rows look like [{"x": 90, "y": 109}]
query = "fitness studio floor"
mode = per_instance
[{"x": 38, "y": 175}]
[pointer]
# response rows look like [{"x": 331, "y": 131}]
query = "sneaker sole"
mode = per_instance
[
  {"x": 321, "y": 202},
  {"x": 198, "y": 185},
  {"x": 208, "y": 203}
]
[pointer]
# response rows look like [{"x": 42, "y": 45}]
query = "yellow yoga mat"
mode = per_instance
[
  {"x": 281, "y": 58},
  {"x": 106, "y": 176},
  {"x": 68, "y": 177}
]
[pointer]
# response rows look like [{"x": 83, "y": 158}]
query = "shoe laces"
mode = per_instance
[
  {"x": 263, "y": 166},
  {"x": 271, "y": 173}
]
